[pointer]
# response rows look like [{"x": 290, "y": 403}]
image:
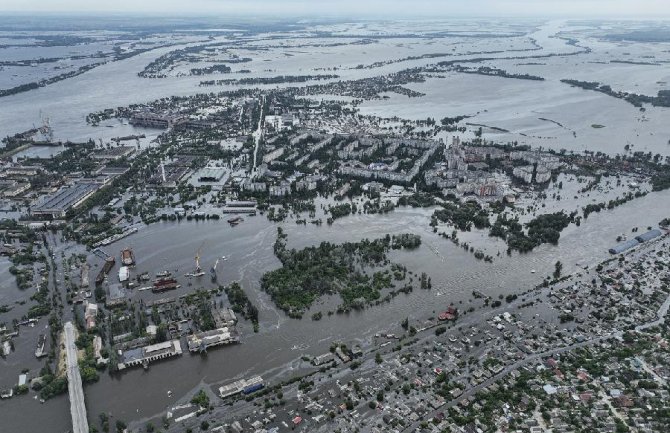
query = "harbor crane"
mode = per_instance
[
  {"x": 212, "y": 270},
  {"x": 198, "y": 269}
]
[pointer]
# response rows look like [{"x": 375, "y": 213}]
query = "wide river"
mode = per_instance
[{"x": 136, "y": 394}]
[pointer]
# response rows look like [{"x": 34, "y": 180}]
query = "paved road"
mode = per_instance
[{"x": 75, "y": 388}]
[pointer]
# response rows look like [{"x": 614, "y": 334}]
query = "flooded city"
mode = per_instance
[{"x": 334, "y": 204}]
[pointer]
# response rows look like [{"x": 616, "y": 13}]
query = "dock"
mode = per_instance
[
  {"x": 100, "y": 253},
  {"x": 116, "y": 237}
]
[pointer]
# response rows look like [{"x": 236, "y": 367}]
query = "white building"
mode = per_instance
[
  {"x": 281, "y": 190},
  {"x": 524, "y": 173}
]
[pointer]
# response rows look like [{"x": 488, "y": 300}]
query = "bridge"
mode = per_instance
[{"x": 74, "y": 385}]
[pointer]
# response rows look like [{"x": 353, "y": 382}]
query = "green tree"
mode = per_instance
[{"x": 558, "y": 268}]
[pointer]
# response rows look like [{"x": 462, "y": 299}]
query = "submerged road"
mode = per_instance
[
  {"x": 74, "y": 386},
  {"x": 660, "y": 314}
]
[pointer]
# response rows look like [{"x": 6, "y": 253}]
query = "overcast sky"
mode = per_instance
[{"x": 361, "y": 8}]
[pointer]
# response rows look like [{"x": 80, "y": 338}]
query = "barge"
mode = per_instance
[
  {"x": 127, "y": 257},
  {"x": 164, "y": 284},
  {"x": 109, "y": 264},
  {"x": 39, "y": 350}
]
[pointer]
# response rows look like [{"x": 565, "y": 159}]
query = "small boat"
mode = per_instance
[
  {"x": 163, "y": 274},
  {"x": 169, "y": 393},
  {"x": 532, "y": 271}
]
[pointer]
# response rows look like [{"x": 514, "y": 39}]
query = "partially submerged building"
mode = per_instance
[
  {"x": 244, "y": 386},
  {"x": 147, "y": 354},
  {"x": 645, "y": 237},
  {"x": 202, "y": 341},
  {"x": 70, "y": 197}
]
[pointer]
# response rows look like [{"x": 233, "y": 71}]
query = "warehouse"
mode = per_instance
[
  {"x": 624, "y": 246},
  {"x": 651, "y": 234},
  {"x": 69, "y": 197}
]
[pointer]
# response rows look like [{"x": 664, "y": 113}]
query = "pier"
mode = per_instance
[{"x": 74, "y": 386}]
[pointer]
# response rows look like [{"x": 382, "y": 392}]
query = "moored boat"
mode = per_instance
[
  {"x": 163, "y": 284},
  {"x": 124, "y": 274},
  {"x": 127, "y": 257}
]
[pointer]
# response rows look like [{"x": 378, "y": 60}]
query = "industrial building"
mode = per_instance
[
  {"x": 69, "y": 197},
  {"x": 244, "y": 386},
  {"x": 153, "y": 120},
  {"x": 323, "y": 359},
  {"x": 116, "y": 296},
  {"x": 13, "y": 189},
  {"x": 242, "y": 203},
  {"x": 113, "y": 153},
  {"x": 651, "y": 234},
  {"x": 145, "y": 355},
  {"x": 202, "y": 341},
  {"x": 211, "y": 174},
  {"x": 624, "y": 246}
]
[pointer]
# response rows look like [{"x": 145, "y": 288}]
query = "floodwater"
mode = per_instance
[
  {"x": 515, "y": 105},
  {"x": 511, "y": 104},
  {"x": 281, "y": 341}
]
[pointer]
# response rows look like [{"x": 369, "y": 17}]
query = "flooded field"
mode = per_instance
[{"x": 514, "y": 105}]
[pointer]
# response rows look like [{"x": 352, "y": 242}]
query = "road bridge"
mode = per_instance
[{"x": 74, "y": 385}]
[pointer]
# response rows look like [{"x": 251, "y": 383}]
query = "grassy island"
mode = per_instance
[{"x": 357, "y": 271}]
